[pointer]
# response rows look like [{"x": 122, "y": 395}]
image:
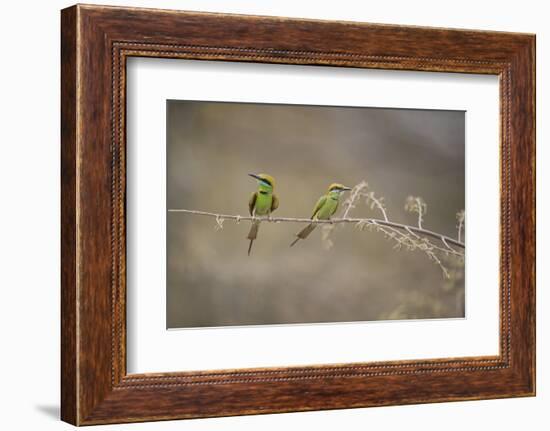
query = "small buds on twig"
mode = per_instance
[{"x": 417, "y": 205}]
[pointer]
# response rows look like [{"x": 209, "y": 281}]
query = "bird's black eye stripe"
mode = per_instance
[{"x": 267, "y": 182}]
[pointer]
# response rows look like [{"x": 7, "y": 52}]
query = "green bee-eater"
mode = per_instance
[
  {"x": 326, "y": 207},
  {"x": 262, "y": 203}
]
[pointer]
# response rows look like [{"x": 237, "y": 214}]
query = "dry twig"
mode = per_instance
[{"x": 409, "y": 237}]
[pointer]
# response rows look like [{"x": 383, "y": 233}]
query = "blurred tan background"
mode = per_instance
[{"x": 400, "y": 152}]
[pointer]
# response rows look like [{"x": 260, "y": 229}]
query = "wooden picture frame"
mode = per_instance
[{"x": 95, "y": 43}]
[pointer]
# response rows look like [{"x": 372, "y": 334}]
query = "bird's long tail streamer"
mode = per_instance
[
  {"x": 252, "y": 234},
  {"x": 304, "y": 233}
]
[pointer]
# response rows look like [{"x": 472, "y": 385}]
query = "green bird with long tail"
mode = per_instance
[
  {"x": 325, "y": 208},
  {"x": 262, "y": 202}
]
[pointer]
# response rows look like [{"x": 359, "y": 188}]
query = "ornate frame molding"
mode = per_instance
[{"x": 96, "y": 41}]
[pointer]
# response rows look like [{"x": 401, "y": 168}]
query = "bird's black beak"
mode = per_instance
[
  {"x": 346, "y": 189},
  {"x": 255, "y": 176}
]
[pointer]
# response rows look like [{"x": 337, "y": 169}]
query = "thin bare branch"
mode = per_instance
[
  {"x": 432, "y": 246},
  {"x": 444, "y": 241},
  {"x": 417, "y": 205},
  {"x": 373, "y": 201},
  {"x": 219, "y": 223},
  {"x": 354, "y": 197},
  {"x": 424, "y": 232},
  {"x": 405, "y": 236},
  {"x": 434, "y": 257}
]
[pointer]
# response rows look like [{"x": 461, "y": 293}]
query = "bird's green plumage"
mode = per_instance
[
  {"x": 318, "y": 205},
  {"x": 325, "y": 208},
  {"x": 261, "y": 203}
]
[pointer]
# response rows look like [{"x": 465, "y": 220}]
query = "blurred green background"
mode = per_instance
[{"x": 211, "y": 147}]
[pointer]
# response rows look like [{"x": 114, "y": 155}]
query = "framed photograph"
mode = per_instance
[{"x": 264, "y": 215}]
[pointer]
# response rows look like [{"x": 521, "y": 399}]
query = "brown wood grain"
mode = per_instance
[
  {"x": 69, "y": 368},
  {"x": 96, "y": 41}
]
